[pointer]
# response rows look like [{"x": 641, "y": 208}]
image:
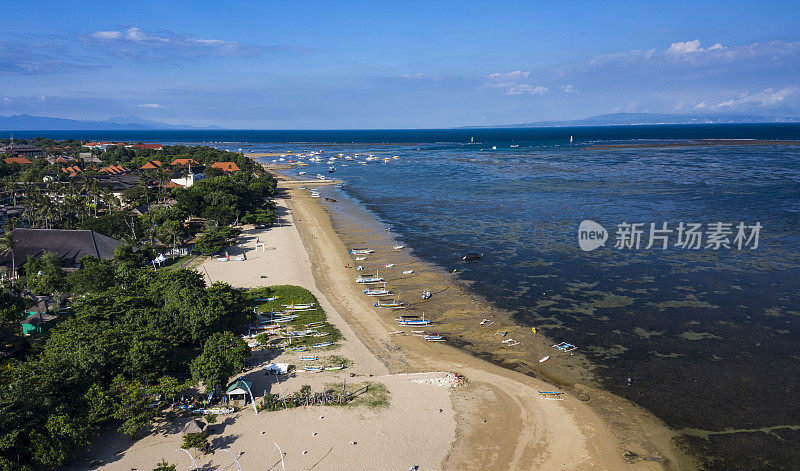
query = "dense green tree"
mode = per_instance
[
  {"x": 223, "y": 356},
  {"x": 94, "y": 276},
  {"x": 44, "y": 275}
]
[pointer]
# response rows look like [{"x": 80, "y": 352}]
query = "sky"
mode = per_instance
[{"x": 307, "y": 64}]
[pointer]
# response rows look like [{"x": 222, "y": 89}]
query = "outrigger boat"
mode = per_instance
[
  {"x": 322, "y": 344},
  {"x": 299, "y": 307},
  {"x": 334, "y": 368},
  {"x": 358, "y": 259},
  {"x": 413, "y": 320},
  {"x": 308, "y": 358},
  {"x": 361, "y": 252},
  {"x": 369, "y": 279},
  {"x": 434, "y": 338},
  {"x": 392, "y": 304},
  {"x": 378, "y": 291}
]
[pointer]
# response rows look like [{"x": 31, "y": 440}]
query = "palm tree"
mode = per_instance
[{"x": 7, "y": 244}]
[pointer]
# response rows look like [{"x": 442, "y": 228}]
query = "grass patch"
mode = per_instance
[
  {"x": 376, "y": 395},
  {"x": 286, "y": 295}
]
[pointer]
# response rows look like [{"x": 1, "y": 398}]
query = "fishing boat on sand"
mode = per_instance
[
  {"x": 408, "y": 272},
  {"x": 361, "y": 251},
  {"x": 369, "y": 279},
  {"x": 322, "y": 344},
  {"x": 308, "y": 358},
  {"x": 398, "y": 247},
  {"x": 392, "y": 304},
  {"x": 413, "y": 320},
  {"x": 378, "y": 291},
  {"x": 434, "y": 338}
]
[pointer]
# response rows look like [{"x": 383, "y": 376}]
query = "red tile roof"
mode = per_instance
[
  {"x": 184, "y": 162},
  {"x": 226, "y": 166},
  {"x": 153, "y": 164},
  {"x": 149, "y": 146},
  {"x": 17, "y": 160}
]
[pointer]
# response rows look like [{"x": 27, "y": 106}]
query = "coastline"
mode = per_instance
[{"x": 605, "y": 432}]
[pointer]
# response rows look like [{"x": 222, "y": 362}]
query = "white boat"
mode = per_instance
[
  {"x": 408, "y": 272},
  {"x": 378, "y": 291},
  {"x": 322, "y": 344},
  {"x": 398, "y": 247},
  {"x": 434, "y": 338},
  {"x": 358, "y": 259},
  {"x": 389, "y": 265},
  {"x": 308, "y": 358},
  {"x": 544, "y": 359},
  {"x": 392, "y": 304},
  {"x": 413, "y": 320},
  {"x": 361, "y": 251},
  {"x": 369, "y": 279},
  {"x": 301, "y": 173},
  {"x": 298, "y": 307}
]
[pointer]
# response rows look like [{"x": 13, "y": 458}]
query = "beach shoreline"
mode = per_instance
[{"x": 628, "y": 434}]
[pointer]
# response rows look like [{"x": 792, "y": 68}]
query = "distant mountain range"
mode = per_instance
[
  {"x": 628, "y": 119},
  {"x": 25, "y": 122}
]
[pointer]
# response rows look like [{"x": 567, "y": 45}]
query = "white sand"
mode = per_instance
[{"x": 411, "y": 431}]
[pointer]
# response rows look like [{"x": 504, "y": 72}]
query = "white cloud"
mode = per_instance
[
  {"x": 700, "y": 106},
  {"x": 525, "y": 89},
  {"x": 513, "y": 83},
  {"x": 570, "y": 89},
  {"x": 107, "y": 35},
  {"x": 767, "y": 98},
  {"x": 690, "y": 47},
  {"x": 136, "y": 43},
  {"x": 151, "y": 105},
  {"x": 420, "y": 76},
  {"x": 514, "y": 76}
]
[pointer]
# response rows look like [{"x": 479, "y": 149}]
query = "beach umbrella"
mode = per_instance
[{"x": 192, "y": 427}]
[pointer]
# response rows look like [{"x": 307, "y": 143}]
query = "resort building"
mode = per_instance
[
  {"x": 226, "y": 166},
  {"x": 69, "y": 245}
]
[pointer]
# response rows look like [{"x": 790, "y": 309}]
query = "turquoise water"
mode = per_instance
[{"x": 709, "y": 339}]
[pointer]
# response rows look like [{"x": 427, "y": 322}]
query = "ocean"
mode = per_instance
[{"x": 706, "y": 336}]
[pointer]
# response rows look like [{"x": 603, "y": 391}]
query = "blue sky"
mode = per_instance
[{"x": 326, "y": 64}]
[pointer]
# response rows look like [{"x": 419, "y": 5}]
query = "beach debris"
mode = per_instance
[
  {"x": 353, "y": 443},
  {"x": 426, "y": 294},
  {"x": 533, "y": 329},
  {"x": 552, "y": 395},
  {"x": 321, "y": 417},
  {"x": 359, "y": 268},
  {"x": 305, "y": 452}
]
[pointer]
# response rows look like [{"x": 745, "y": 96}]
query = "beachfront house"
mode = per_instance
[{"x": 238, "y": 392}]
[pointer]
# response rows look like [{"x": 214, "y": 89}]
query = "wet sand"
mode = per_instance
[{"x": 502, "y": 423}]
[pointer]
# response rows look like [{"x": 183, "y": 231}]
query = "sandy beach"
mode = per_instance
[{"x": 496, "y": 421}]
